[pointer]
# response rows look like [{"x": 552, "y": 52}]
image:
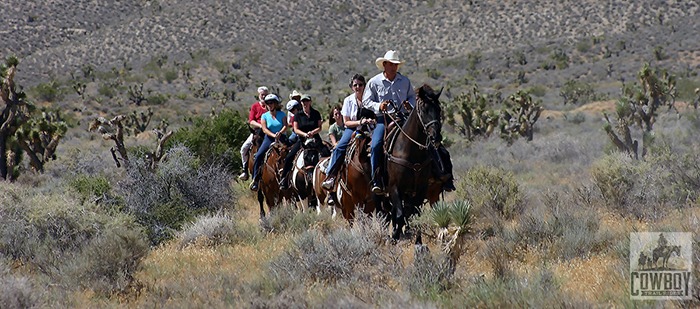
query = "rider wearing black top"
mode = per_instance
[{"x": 306, "y": 126}]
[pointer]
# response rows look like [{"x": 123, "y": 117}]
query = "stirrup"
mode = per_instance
[{"x": 329, "y": 183}]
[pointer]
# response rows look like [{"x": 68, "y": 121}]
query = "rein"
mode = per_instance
[{"x": 428, "y": 142}]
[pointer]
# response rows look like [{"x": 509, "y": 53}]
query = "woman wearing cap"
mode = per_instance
[
  {"x": 292, "y": 108},
  {"x": 352, "y": 105},
  {"x": 307, "y": 124},
  {"x": 272, "y": 124},
  {"x": 337, "y": 126}
]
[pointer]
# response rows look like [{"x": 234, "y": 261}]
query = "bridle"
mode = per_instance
[{"x": 430, "y": 141}]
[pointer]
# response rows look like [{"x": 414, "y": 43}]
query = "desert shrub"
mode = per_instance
[
  {"x": 171, "y": 75},
  {"x": 648, "y": 188},
  {"x": 177, "y": 191},
  {"x": 686, "y": 87},
  {"x": 615, "y": 175},
  {"x": 575, "y": 92},
  {"x": 74, "y": 245},
  {"x": 217, "y": 138},
  {"x": 537, "y": 289},
  {"x": 287, "y": 219},
  {"x": 343, "y": 255},
  {"x": 107, "y": 90},
  {"x": 157, "y": 99},
  {"x": 537, "y": 90},
  {"x": 493, "y": 191},
  {"x": 216, "y": 229},
  {"x": 48, "y": 92},
  {"x": 563, "y": 228},
  {"x": 430, "y": 275},
  {"x": 17, "y": 292},
  {"x": 305, "y": 84},
  {"x": 89, "y": 187},
  {"x": 576, "y": 118},
  {"x": 110, "y": 260}
]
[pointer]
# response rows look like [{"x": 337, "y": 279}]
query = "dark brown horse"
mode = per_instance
[
  {"x": 270, "y": 176},
  {"x": 409, "y": 161},
  {"x": 352, "y": 186}
]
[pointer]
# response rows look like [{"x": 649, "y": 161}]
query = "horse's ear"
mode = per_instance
[{"x": 439, "y": 92}]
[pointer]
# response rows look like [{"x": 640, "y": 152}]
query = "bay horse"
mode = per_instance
[
  {"x": 269, "y": 190},
  {"x": 352, "y": 188},
  {"x": 409, "y": 161}
]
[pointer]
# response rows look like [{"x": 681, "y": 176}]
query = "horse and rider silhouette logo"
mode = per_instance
[
  {"x": 661, "y": 265},
  {"x": 661, "y": 255}
]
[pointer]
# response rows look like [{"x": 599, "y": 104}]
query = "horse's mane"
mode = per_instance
[{"x": 427, "y": 93}]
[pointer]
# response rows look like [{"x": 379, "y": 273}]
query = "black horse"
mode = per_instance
[{"x": 409, "y": 161}]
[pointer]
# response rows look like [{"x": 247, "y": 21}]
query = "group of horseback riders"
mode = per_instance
[{"x": 383, "y": 101}]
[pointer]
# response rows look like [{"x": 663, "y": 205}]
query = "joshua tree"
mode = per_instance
[
  {"x": 114, "y": 130},
  {"x": 520, "y": 116},
  {"x": 107, "y": 128},
  {"x": 640, "y": 105},
  {"x": 478, "y": 116},
  {"x": 19, "y": 131}
]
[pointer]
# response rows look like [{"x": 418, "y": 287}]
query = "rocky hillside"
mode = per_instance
[{"x": 453, "y": 43}]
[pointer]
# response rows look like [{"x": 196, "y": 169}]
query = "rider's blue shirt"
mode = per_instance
[{"x": 380, "y": 89}]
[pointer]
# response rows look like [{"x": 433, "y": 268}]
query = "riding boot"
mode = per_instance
[
  {"x": 376, "y": 185},
  {"x": 244, "y": 175},
  {"x": 329, "y": 183}
]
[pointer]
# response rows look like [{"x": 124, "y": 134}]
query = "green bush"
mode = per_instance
[
  {"x": 219, "y": 138},
  {"x": 537, "y": 90},
  {"x": 170, "y": 76},
  {"x": 492, "y": 190},
  {"x": 615, "y": 176},
  {"x": 48, "y": 92},
  {"x": 157, "y": 99},
  {"x": 89, "y": 187}
]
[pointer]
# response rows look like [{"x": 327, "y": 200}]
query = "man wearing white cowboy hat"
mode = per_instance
[
  {"x": 385, "y": 87},
  {"x": 295, "y": 95}
]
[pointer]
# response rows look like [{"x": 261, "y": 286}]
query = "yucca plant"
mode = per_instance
[{"x": 453, "y": 222}]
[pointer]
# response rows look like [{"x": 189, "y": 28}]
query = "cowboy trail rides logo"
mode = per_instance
[{"x": 660, "y": 266}]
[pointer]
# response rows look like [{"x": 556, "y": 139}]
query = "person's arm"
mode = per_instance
[
  {"x": 252, "y": 121},
  {"x": 315, "y": 131},
  {"x": 351, "y": 124},
  {"x": 284, "y": 127},
  {"x": 332, "y": 138}
]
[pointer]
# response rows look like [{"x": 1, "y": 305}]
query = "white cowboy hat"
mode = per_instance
[
  {"x": 391, "y": 56},
  {"x": 294, "y": 94},
  {"x": 263, "y": 89}
]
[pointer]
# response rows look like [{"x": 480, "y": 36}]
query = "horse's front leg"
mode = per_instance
[
  {"x": 397, "y": 214},
  {"x": 261, "y": 197}
]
